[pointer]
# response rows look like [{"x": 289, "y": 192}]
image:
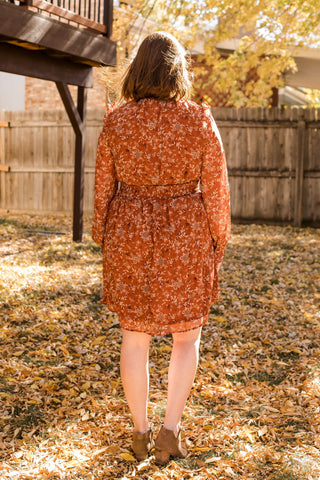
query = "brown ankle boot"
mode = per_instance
[
  {"x": 142, "y": 443},
  {"x": 168, "y": 445}
]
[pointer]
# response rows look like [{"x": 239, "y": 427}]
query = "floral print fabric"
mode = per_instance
[{"x": 161, "y": 214}]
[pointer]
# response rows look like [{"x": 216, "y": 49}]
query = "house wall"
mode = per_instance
[
  {"x": 43, "y": 95},
  {"x": 12, "y": 91}
]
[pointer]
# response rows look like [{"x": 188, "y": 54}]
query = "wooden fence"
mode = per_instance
[
  {"x": 274, "y": 163},
  {"x": 273, "y": 159}
]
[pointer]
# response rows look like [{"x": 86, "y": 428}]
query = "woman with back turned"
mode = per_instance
[{"x": 162, "y": 218}]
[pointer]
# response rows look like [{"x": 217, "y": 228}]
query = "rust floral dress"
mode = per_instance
[{"x": 161, "y": 213}]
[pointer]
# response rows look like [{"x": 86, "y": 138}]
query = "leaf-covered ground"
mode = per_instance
[{"x": 254, "y": 411}]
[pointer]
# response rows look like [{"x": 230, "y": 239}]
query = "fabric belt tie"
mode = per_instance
[{"x": 158, "y": 191}]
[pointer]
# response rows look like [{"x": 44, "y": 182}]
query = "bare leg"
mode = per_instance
[
  {"x": 134, "y": 369},
  {"x": 182, "y": 369}
]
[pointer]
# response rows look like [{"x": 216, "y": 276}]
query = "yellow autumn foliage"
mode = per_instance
[{"x": 264, "y": 36}]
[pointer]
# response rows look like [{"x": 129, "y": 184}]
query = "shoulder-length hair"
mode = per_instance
[{"x": 159, "y": 70}]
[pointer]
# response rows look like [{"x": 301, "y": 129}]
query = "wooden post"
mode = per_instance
[
  {"x": 108, "y": 16},
  {"x": 298, "y": 191},
  {"x": 79, "y": 168},
  {"x": 275, "y": 97},
  {"x": 77, "y": 116}
]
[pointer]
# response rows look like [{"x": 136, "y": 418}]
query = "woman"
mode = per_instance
[{"x": 163, "y": 237}]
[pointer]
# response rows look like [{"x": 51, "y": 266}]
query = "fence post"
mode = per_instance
[{"x": 299, "y": 173}]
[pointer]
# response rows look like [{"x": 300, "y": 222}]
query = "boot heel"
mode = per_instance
[
  {"x": 167, "y": 444},
  {"x": 162, "y": 456},
  {"x": 142, "y": 443}
]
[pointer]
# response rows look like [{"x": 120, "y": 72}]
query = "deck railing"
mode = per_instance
[{"x": 96, "y": 15}]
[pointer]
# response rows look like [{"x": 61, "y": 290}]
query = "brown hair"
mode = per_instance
[{"x": 159, "y": 70}]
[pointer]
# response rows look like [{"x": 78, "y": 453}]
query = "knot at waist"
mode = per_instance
[{"x": 158, "y": 191}]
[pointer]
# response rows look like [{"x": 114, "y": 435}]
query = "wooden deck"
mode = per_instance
[
  {"x": 60, "y": 40},
  {"x": 48, "y": 36}
]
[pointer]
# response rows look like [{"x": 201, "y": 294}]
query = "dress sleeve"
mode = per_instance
[
  {"x": 215, "y": 187},
  {"x": 105, "y": 183}
]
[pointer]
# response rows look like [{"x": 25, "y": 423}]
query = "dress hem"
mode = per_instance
[
  {"x": 160, "y": 330},
  {"x": 179, "y": 327}
]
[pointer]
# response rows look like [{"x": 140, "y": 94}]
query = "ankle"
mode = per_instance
[
  {"x": 175, "y": 428},
  {"x": 141, "y": 428}
]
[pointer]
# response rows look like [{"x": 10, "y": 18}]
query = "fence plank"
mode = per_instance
[{"x": 299, "y": 173}]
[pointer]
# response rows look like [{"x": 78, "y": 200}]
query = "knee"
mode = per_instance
[
  {"x": 188, "y": 339},
  {"x": 137, "y": 340}
]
